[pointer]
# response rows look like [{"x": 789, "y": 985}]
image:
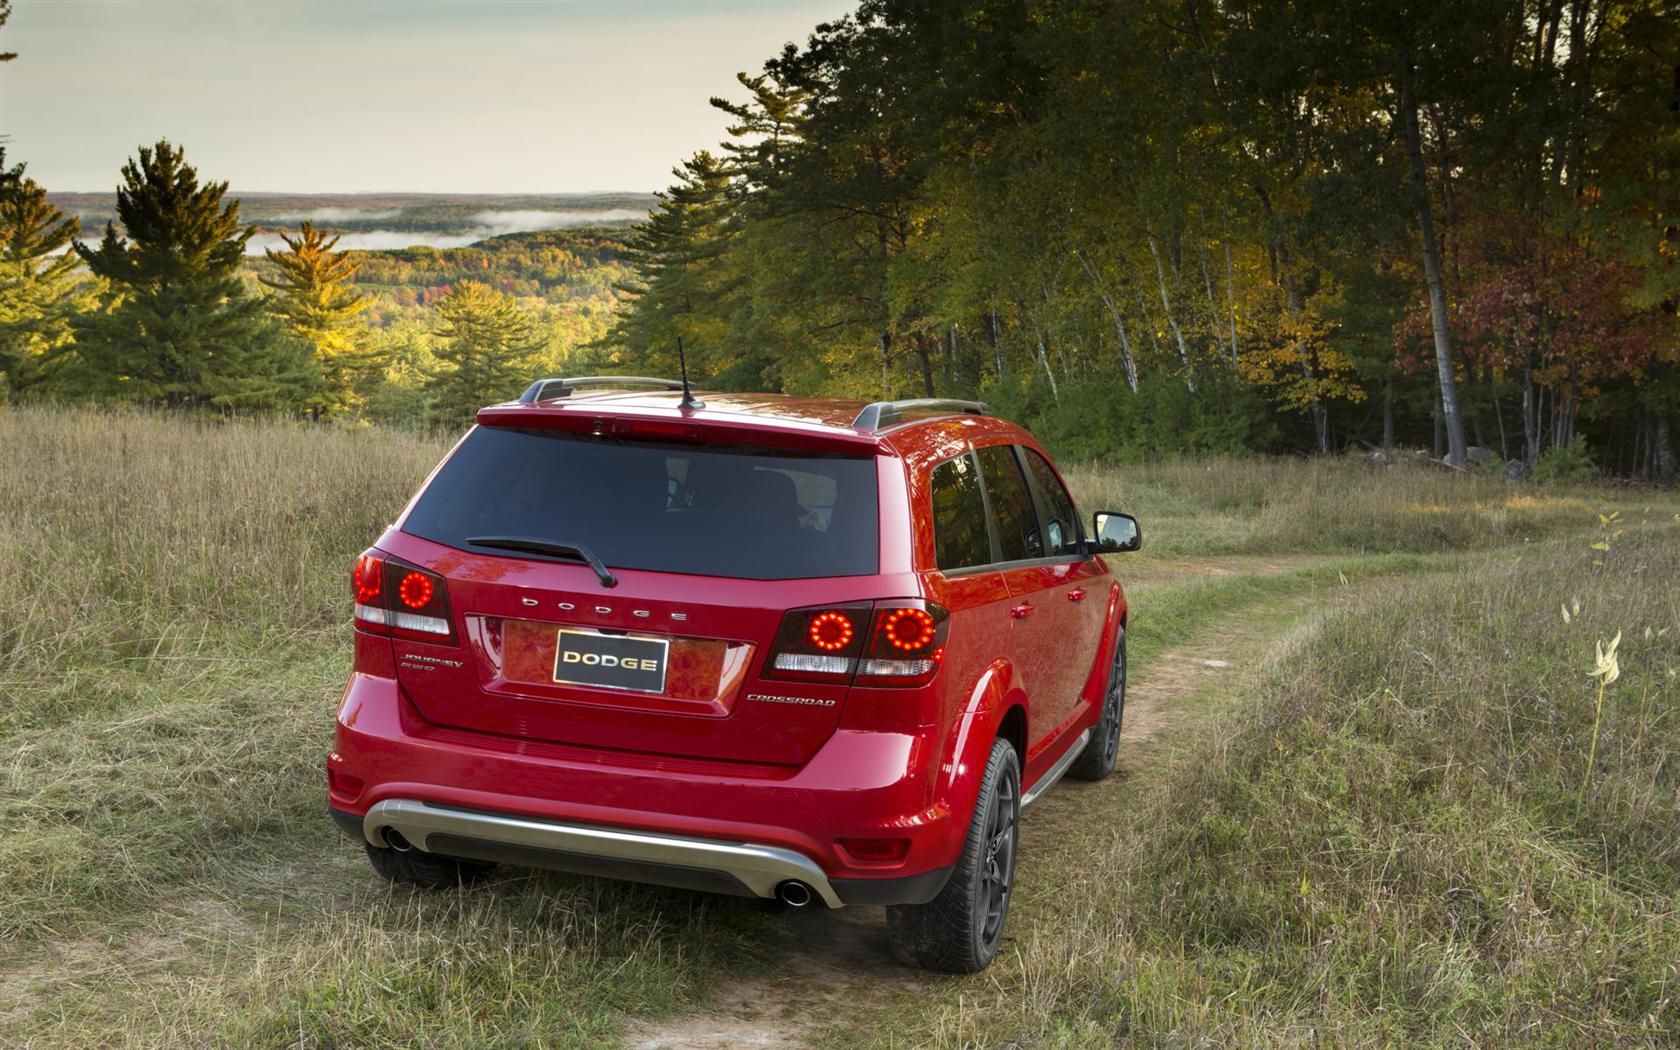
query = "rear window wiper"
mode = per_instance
[{"x": 533, "y": 545}]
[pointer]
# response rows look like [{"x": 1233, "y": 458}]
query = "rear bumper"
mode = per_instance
[
  {"x": 741, "y": 868},
  {"x": 689, "y": 823}
]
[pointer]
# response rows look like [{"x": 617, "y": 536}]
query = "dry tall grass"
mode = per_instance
[
  {"x": 174, "y": 629},
  {"x": 173, "y": 636}
]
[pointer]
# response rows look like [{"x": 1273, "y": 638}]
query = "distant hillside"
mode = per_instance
[
  {"x": 568, "y": 281},
  {"x": 567, "y": 269},
  {"x": 374, "y": 221}
]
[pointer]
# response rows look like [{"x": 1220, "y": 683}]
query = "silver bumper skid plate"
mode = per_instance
[{"x": 759, "y": 868}]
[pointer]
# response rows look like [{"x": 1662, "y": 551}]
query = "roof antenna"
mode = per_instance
[{"x": 689, "y": 401}]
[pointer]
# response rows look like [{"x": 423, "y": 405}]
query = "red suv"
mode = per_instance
[{"x": 762, "y": 645}]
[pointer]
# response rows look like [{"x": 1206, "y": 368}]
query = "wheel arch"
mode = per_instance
[
  {"x": 1013, "y": 728},
  {"x": 995, "y": 708}
]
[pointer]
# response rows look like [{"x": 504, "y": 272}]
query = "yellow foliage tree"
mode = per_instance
[
  {"x": 314, "y": 298},
  {"x": 1287, "y": 349}
]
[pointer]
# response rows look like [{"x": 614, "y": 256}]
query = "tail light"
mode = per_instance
[
  {"x": 401, "y": 600},
  {"x": 895, "y": 643},
  {"x": 906, "y": 644},
  {"x": 820, "y": 644}
]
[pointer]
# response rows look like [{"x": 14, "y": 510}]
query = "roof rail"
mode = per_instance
[
  {"x": 886, "y": 413},
  {"x": 547, "y": 389}
]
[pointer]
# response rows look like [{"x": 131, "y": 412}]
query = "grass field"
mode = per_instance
[{"x": 1383, "y": 828}]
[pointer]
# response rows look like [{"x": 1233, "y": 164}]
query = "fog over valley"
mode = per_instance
[{"x": 374, "y": 222}]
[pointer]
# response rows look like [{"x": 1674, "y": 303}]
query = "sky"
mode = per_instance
[{"x": 345, "y": 96}]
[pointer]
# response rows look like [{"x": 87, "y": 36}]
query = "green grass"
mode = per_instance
[
  {"x": 174, "y": 633},
  {"x": 1387, "y": 842},
  {"x": 1330, "y": 506}
]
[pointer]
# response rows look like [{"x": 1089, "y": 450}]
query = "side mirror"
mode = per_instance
[{"x": 1116, "y": 533}]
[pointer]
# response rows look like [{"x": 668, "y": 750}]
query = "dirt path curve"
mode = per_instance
[{"x": 842, "y": 957}]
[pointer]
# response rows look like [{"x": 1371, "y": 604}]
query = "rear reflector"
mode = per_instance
[{"x": 876, "y": 851}]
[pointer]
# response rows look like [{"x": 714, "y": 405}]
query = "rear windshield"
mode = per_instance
[{"x": 669, "y": 508}]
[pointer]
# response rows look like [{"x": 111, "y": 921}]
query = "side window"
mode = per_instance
[
  {"x": 1061, "y": 521},
  {"x": 1011, "y": 504},
  {"x": 959, "y": 515}
]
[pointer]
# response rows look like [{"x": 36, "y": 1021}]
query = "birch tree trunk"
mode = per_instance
[
  {"x": 1451, "y": 419},
  {"x": 1127, "y": 360},
  {"x": 1172, "y": 322},
  {"x": 1043, "y": 354},
  {"x": 1213, "y": 306}
]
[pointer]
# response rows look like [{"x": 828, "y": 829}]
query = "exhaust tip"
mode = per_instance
[
  {"x": 394, "y": 839},
  {"x": 793, "y": 893}
]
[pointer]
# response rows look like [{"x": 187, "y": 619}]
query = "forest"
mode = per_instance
[
  {"x": 1177, "y": 225},
  {"x": 1165, "y": 226}
]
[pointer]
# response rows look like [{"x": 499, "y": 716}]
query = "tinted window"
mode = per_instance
[
  {"x": 1011, "y": 505},
  {"x": 1061, "y": 524},
  {"x": 670, "y": 508},
  {"x": 959, "y": 516}
]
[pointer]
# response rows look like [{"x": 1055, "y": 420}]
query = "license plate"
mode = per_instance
[{"x": 611, "y": 661}]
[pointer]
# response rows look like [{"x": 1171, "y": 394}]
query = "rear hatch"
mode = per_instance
[{"x": 706, "y": 547}]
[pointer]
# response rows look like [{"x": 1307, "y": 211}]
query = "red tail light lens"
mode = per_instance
[
  {"x": 415, "y": 590},
  {"x": 906, "y": 644},
  {"x": 831, "y": 631},
  {"x": 819, "y": 644},
  {"x": 366, "y": 578},
  {"x": 907, "y": 630},
  {"x": 401, "y": 600}
]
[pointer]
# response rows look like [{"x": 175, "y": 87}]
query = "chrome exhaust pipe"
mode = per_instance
[
  {"x": 393, "y": 838},
  {"x": 793, "y": 893}
]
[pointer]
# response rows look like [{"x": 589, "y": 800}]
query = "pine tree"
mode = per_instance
[
  {"x": 5, "y": 13},
  {"x": 681, "y": 286},
  {"x": 40, "y": 291},
  {"x": 179, "y": 327},
  {"x": 485, "y": 353},
  {"x": 318, "y": 305}
]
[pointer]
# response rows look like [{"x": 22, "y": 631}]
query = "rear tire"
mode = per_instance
[
  {"x": 430, "y": 870},
  {"x": 1102, "y": 751},
  {"x": 959, "y": 931}
]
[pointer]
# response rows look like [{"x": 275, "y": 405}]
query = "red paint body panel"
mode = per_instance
[{"x": 479, "y": 721}]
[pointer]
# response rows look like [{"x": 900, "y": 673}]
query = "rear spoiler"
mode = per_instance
[{"x": 670, "y": 424}]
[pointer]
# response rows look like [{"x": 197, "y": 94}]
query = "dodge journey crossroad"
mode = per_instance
[{"x": 807, "y": 650}]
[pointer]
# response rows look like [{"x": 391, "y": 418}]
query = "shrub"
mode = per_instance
[{"x": 1565, "y": 464}]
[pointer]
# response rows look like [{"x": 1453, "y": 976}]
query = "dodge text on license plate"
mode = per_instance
[{"x": 613, "y": 661}]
